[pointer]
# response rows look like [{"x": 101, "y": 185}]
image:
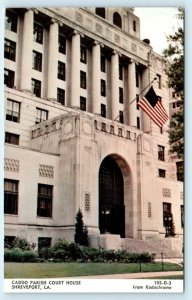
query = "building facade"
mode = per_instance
[{"x": 75, "y": 136}]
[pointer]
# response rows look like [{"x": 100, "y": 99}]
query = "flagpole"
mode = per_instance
[{"x": 155, "y": 78}]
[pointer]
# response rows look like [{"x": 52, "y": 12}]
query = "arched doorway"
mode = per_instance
[{"x": 111, "y": 198}]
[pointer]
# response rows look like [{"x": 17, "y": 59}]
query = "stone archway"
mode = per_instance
[{"x": 116, "y": 197}]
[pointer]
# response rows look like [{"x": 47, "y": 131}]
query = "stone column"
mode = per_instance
[
  {"x": 75, "y": 70},
  {"x": 52, "y": 60},
  {"x": 27, "y": 42},
  {"x": 145, "y": 119},
  {"x": 115, "y": 85},
  {"x": 132, "y": 93},
  {"x": 96, "y": 55}
]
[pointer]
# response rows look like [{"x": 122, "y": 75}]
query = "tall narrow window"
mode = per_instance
[
  {"x": 100, "y": 11},
  {"x": 83, "y": 82},
  {"x": 44, "y": 200},
  {"x": 11, "y": 188},
  {"x": 134, "y": 26},
  {"x": 137, "y": 101},
  {"x": 36, "y": 87},
  {"x": 103, "y": 88},
  {"x": 13, "y": 111},
  {"x": 120, "y": 71},
  {"x": 11, "y": 21},
  {"x": 158, "y": 81},
  {"x": 121, "y": 117},
  {"x": 41, "y": 115},
  {"x": 137, "y": 78},
  {"x": 167, "y": 215},
  {"x": 9, "y": 49},
  {"x": 103, "y": 110},
  {"x": 61, "y": 96},
  {"x": 83, "y": 103},
  {"x": 120, "y": 95},
  {"x": 9, "y": 78},
  {"x": 38, "y": 33},
  {"x": 138, "y": 123},
  {"x": 117, "y": 20},
  {"x": 161, "y": 153},
  {"x": 61, "y": 71},
  {"x": 37, "y": 61},
  {"x": 11, "y": 138},
  {"x": 180, "y": 170},
  {"x": 62, "y": 44},
  {"x": 103, "y": 62},
  {"x": 83, "y": 54},
  {"x": 182, "y": 216}
]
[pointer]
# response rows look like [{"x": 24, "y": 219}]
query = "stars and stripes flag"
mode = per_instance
[{"x": 152, "y": 106}]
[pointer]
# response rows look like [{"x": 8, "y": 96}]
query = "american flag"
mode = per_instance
[{"x": 151, "y": 104}]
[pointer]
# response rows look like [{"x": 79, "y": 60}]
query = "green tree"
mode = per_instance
[
  {"x": 174, "y": 56},
  {"x": 81, "y": 232}
]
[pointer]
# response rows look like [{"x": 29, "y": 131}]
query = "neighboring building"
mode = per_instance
[{"x": 70, "y": 142}]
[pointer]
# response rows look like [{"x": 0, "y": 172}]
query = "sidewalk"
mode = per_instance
[{"x": 133, "y": 275}]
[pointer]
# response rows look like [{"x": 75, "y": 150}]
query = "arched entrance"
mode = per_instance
[{"x": 111, "y": 198}]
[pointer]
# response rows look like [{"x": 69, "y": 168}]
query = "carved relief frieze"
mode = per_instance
[
  {"x": 46, "y": 171},
  {"x": 166, "y": 192},
  {"x": 11, "y": 165}
]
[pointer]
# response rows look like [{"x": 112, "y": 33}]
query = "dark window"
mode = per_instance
[
  {"x": 9, "y": 241},
  {"x": 103, "y": 88},
  {"x": 13, "y": 111},
  {"x": 120, "y": 71},
  {"x": 137, "y": 101},
  {"x": 44, "y": 200},
  {"x": 100, "y": 11},
  {"x": 43, "y": 242},
  {"x": 9, "y": 49},
  {"x": 11, "y": 138},
  {"x": 37, "y": 61},
  {"x": 36, "y": 87},
  {"x": 158, "y": 81},
  {"x": 138, "y": 123},
  {"x": 38, "y": 33},
  {"x": 161, "y": 153},
  {"x": 9, "y": 77},
  {"x": 180, "y": 170},
  {"x": 120, "y": 95},
  {"x": 137, "y": 78},
  {"x": 62, "y": 44},
  {"x": 174, "y": 104},
  {"x": 41, "y": 115},
  {"x": 117, "y": 20},
  {"x": 11, "y": 196},
  {"x": 182, "y": 216},
  {"x": 61, "y": 70},
  {"x": 103, "y": 110},
  {"x": 83, "y": 82},
  {"x": 61, "y": 96},
  {"x": 103, "y": 62},
  {"x": 83, "y": 103},
  {"x": 121, "y": 117},
  {"x": 162, "y": 173},
  {"x": 134, "y": 25},
  {"x": 161, "y": 129},
  {"x": 167, "y": 217},
  {"x": 83, "y": 54},
  {"x": 11, "y": 21}
]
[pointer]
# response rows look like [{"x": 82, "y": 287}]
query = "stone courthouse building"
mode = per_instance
[{"x": 75, "y": 136}]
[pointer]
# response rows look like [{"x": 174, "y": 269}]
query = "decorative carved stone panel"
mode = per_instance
[
  {"x": 11, "y": 165},
  {"x": 181, "y": 195},
  {"x": 78, "y": 17},
  {"x": 46, "y": 171},
  {"x": 87, "y": 202},
  {"x": 166, "y": 192}
]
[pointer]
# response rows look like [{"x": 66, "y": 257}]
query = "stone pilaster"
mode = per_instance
[
  {"x": 75, "y": 70},
  {"x": 115, "y": 85},
  {"x": 27, "y": 42},
  {"x": 96, "y": 55},
  {"x": 132, "y": 93},
  {"x": 52, "y": 60}
]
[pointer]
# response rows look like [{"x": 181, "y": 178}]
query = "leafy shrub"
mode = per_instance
[
  {"x": 20, "y": 243},
  {"x": 18, "y": 255}
]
